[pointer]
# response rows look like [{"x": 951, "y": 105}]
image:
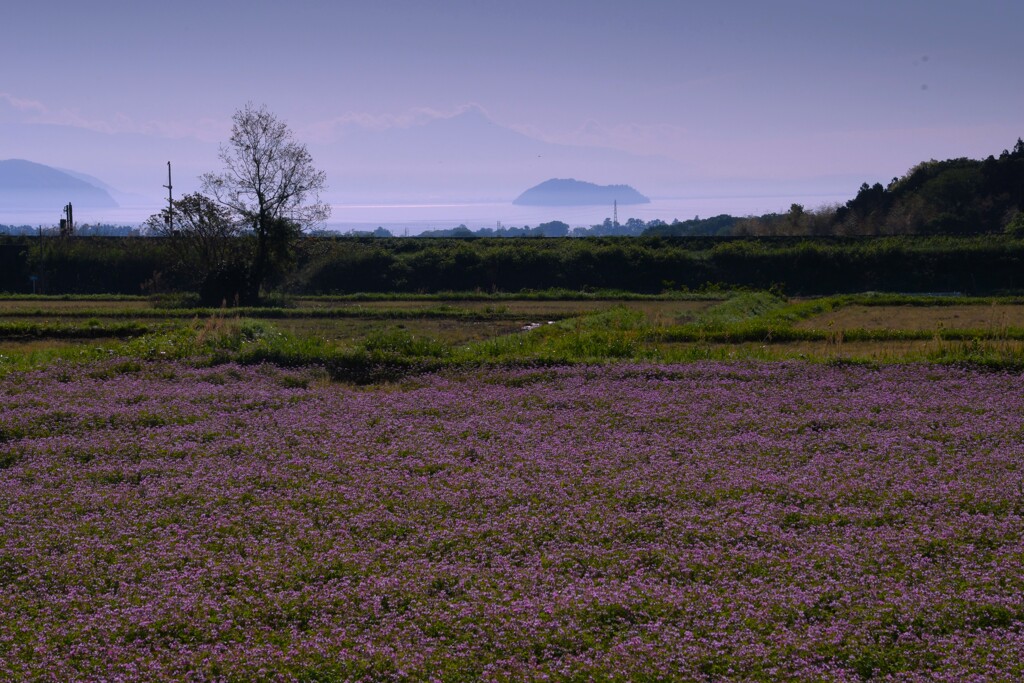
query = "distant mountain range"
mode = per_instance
[
  {"x": 463, "y": 158},
  {"x": 28, "y": 186},
  {"x": 572, "y": 192},
  {"x": 470, "y": 157},
  {"x": 466, "y": 157}
]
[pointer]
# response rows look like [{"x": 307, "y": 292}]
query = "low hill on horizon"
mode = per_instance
[
  {"x": 572, "y": 192},
  {"x": 28, "y": 186}
]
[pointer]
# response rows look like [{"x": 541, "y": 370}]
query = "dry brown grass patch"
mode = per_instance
[{"x": 955, "y": 317}]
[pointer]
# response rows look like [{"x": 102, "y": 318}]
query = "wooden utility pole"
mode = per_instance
[{"x": 170, "y": 199}]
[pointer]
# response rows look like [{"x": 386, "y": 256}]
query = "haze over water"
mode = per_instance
[
  {"x": 419, "y": 217},
  {"x": 412, "y": 219}
]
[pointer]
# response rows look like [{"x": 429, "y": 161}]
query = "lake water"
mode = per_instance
[
  {"x": 415, "y": 218},
  {"x": 412, "y": 219}
]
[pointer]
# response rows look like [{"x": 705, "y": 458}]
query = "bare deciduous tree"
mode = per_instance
[{"x": 270, "y": 184}]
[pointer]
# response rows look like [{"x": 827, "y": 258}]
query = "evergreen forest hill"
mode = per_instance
[{"x": 953, "y": 197}]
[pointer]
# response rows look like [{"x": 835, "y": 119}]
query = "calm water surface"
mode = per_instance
[{"x": 412, "y": 219}]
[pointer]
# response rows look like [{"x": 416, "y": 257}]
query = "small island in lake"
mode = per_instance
[{"x": 570, "y": 192}]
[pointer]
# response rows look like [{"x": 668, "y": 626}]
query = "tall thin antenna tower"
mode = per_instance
[
  {"x": 170, "y": 199},
  {"x": 615, "y": 213}
]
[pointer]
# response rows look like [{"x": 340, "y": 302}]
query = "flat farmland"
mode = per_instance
[
  {"x": 505, "y": 490},
  {"x": 55, "y": 323},
  {"x": 22, "y": 345},
  {"x": 935, "y": 317},
  {"x": 698, "y": 522},
  {"x": 453, "y": 330},
  {"x": 349, "y": 331},
  {"x": 69, "y": 305},
  {"x": 527, "y": 308},
  {"x": 836, "y": 348}
]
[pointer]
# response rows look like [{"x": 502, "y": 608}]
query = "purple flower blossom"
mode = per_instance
[{"x": 691, "y": 522}]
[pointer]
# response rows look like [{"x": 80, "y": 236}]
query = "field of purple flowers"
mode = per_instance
[{"x": 628, "y": 522}]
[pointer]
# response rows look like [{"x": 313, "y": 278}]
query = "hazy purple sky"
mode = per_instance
[{"x": 734, "y": 91}]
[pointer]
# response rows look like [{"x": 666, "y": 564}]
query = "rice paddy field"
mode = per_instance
[
  {"x": 994, "y": 316},
  {"x": 733, "y": 487}
]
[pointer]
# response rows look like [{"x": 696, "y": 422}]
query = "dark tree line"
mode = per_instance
[
  {"x": 326, "y": 265},
  {"x": 952, "y": 197}
]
